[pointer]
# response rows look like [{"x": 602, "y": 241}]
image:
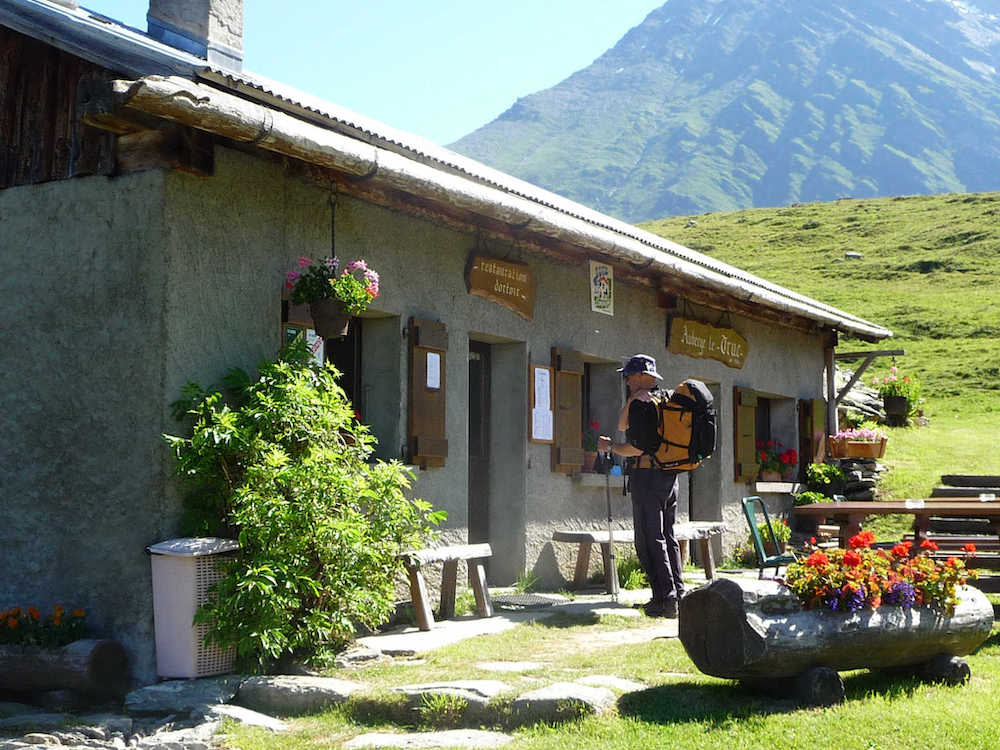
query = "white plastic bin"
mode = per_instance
[{"x": 183, "y": 572}]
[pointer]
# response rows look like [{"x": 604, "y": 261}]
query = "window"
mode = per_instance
[{"x": 760, "y": 418}]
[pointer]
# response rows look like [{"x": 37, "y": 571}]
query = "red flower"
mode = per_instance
[
  {"x": 969, "y": 549},
  {"x": 862, "y": 539},
  {"x": 770, "y": 443},
  {"x": 928, "y": 544},
  {"x": 852, "y": 559},
  {"x": 759, "y": 444},
  {"x": 817, "y": 559},
  {"x": 951, "y": 562},
  {"x": 900, "y": 550},
  {"x": 812, "y": 540}
]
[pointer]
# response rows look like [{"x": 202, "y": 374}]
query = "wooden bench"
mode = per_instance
[
  {"x": 475, "y": 554},
  {"x": 685, "y": 532}
]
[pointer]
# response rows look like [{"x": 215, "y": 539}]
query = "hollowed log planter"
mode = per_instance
[
  {"x": 93, "y": 667},
  {"x": 757, "y": 632}
]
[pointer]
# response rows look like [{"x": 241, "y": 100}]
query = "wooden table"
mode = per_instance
[{"x": 850, "y": 514}]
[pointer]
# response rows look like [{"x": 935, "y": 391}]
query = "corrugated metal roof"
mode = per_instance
[
  {"x": 298, "y": 102},
  {"x": 121, "y": 48}
]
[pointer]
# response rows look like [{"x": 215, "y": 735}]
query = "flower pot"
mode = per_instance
[
  {"x": 896, "y": 409},
  {"x": 844, "y": 448},
  {"x": 588, "y": 461},
  {"x": 769, "y": 476},
  {"x": 330, "y": 318},
  {"x": 769, "y": 548}
]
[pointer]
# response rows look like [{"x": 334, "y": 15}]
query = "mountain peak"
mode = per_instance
[{"x": 712, "y": 105}]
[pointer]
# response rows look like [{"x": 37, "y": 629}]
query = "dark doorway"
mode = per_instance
[
  {"x": 479, "y": 442},
  {"x": 345, "y": 355}
]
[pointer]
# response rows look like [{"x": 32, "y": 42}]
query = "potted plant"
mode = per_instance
[
  {"x": 773, "y": 461},
  {"x": 590, "y": 445},
  {"x": 782, "y": 533},
  {"x": 858, "y": 442},
  {"x": 899, "y": 396},
  {"x": 333, "y": 296}
]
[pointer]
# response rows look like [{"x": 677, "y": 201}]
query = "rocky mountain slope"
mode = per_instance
[{"x": 714, "y": 105}]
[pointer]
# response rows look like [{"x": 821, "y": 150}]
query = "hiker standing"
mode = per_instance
[{"x": 654, "y": 491}]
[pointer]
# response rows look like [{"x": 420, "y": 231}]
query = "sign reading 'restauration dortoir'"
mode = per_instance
[
  {"x": 697, "y": 339},
  {"x": 509, "y": 284}
]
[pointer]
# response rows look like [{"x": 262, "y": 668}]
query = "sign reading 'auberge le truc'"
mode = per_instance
[
  {"x": 509, "y": 284},
  {"x": 696, "y": 339}
]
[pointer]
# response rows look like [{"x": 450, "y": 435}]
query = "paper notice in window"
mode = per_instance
[
  {"x": 433, "y": 371},
  {"x": 542, "y": 388},
  {"x": 541, "y": 424}
]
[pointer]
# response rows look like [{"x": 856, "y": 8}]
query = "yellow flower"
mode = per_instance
[{"x": 59, "y": 611}]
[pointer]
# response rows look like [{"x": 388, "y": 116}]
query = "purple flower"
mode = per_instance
[
  {"x": 900, "y": 594},
  {"x": 331, "y": 265},
  {"x": 856, "y": 599}
]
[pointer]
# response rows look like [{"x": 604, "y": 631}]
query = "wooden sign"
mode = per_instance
[
  {"x": 696, "y": 339},
  {"x": 511, "y": 285}
]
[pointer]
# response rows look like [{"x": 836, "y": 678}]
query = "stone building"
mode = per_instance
[{"x": 152, "y": 197}]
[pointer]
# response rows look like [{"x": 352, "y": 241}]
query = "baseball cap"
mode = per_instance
[{"x": 640, "y": 363}]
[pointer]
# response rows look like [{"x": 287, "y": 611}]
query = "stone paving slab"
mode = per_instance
[
  {"x": 411, "y": 641},
  {"x": 286, "y": 695},
  {"x": 182, "y": 695}
]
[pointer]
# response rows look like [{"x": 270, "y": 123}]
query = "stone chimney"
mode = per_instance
[{"x": 212, "y": 29}]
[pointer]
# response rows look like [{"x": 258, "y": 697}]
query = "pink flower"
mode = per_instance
[
  {"x": 290, "y": 278},
  {"x": 331, "y": 264},
  {"x": 304, "y": 262}
]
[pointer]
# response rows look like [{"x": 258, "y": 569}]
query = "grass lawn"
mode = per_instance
[{"x": 680, "y": 707}]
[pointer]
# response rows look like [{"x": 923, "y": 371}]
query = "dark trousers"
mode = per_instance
[{"x": 654, "y": 507}]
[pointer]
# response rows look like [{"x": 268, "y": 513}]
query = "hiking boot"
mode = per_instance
[
  {"x": 654, "y": 608},
  {"x": 669, "y": 609}
]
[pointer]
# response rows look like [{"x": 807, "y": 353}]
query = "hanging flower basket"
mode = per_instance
[
  {"x": 330, "y": 318},
  {"x": 896, "y": 409},
  {"x": 334, "y": 296}
]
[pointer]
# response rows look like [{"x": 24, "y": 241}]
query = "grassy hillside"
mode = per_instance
[{"x": 929, "y": 270}]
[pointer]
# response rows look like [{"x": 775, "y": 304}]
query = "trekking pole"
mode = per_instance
[{"x": 612, "y": 571}]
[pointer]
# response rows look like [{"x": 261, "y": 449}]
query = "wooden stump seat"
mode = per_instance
[
  {"x": 475, "y": 554},
  {"x": 685, "y": 532}
]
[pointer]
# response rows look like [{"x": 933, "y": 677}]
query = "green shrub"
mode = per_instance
[
  {"x": 782, "y": 532},
  {"x": 810, "y": 496},
  {"x": 630, "y": 573},
  {"x": 282, "y": 463},
  {"x": 824, "y": 477}
]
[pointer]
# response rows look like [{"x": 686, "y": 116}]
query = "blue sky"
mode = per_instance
[{"x": 437, "y": 68}]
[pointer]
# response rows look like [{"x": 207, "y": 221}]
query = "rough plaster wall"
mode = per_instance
[
  {"x": 81, "y": 401},
  {"x": 164, "y": 279}
]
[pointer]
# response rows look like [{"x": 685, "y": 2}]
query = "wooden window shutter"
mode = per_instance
[
  {"x": 744, "y": 436},
  {"x": 567, "y": 450},
  {"x": 428, "y": 445},
  {"x": 817, "y": 433}
]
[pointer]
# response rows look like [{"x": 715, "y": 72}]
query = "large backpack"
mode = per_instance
[{"x": 676, "y": 429}]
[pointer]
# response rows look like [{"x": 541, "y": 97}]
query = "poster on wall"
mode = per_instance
[
  {"x": 602, "y": 290},
  {"x": 542, "y": 417}
]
